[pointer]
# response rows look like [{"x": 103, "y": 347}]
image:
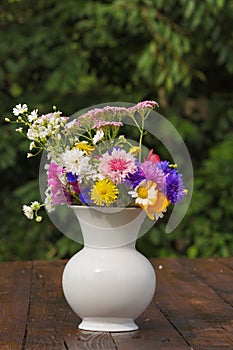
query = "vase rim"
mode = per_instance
[
  {"x": 105, "y": 209},
  {"x": 98, "y": 207}
]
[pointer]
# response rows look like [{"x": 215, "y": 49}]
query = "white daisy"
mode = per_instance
[
  {"x": 71, "y": 160},
  {"x": 85, "y": 170},
  {"x": 145, "y": 193}
]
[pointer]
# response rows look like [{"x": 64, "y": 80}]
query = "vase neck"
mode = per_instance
[{"x": 102, "y": 229}]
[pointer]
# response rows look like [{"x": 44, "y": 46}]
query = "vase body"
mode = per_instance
[{"x": 109, "y": 283}]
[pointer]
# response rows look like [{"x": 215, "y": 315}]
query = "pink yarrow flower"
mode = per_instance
[
  {"x": 144, "y": 105},
  {"x": 117, "y": 165},
  {"x": 100, "y": 124}
]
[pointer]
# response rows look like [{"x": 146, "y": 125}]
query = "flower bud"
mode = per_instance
[
  {"x": 20, "y": 130},
  {"x": 38, "y": 218}
]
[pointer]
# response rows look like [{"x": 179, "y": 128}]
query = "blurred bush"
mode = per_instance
[{"x": 74, "y": 54}]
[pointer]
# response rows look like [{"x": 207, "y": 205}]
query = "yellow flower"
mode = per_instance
[
  {"x": 104, "y": 192},
  {"x": 84, "y": 146},
  {"x": 158, "y": 207},
  {"x": 149, "y": 198},
  {"x": 145, "y": 193},
  {"x": 134, "y": 150}
]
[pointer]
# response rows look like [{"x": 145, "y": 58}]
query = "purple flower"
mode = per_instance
[
  {"x": 73, "y": 180},
  {"x": 174, "y": 186},
  {"x": 164, "y": 166},
  {"x": 71, "y": 177},
  {"x": 154, "y": 173},
  {"x": 85, "y": 196},
  {"x": 136, "y": 177}
]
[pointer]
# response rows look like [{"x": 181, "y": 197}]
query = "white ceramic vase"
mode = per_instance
[{"x": 109, "y": 283}]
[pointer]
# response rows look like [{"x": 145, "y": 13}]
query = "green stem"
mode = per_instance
[{"x": 140, "y": 141}]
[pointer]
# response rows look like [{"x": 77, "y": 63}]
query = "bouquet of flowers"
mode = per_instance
[{"x": 91, "y": 163}]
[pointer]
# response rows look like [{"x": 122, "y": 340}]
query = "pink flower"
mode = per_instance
[
  {"x": 117, "y": 165},
  {"x": 153, "y": 158},
  {"x": 54, "y": 183},
  {"x": 100, "y": 124},
  {"x": 153, "y": 173},
  {"x": 144, "y": 105}
]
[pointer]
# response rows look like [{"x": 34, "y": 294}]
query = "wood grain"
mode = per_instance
[
  {"x": 228, "y": 262},
  {"x": 45, "y": 295},
  {"x": 52, "y": 324},
  {"x": 202, "y": 317},
  {"x": 155, "y": 332},
  {"x": 15, "y": 284},
  {"x": 191, "y": 309},
  {"x": 214, "y": 273}
]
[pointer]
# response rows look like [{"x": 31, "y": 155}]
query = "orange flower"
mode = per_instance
[{"x": 158, "y": 207}]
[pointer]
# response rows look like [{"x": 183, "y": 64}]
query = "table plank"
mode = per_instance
[
  {"x": 195, "y": 310},
  {"x": 52, "y": 324},
  {"x": 155, "y": 332},
  {"x": 213, "y": 272},
  {"x": 45, "y": 294},
  {"x": 192, "y": 309},
  {"x": 228, "y": 262},
  {"x": 91, "y": 340},
  {"x": 15, "y": 283}
]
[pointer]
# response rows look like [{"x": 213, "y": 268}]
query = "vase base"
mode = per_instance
[{"x": 98, "y": 324}]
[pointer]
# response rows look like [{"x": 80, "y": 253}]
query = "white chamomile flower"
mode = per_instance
[
  {"x": 85, "y": 170},
  {"x": 145, "y": 193},
  {"x": 71, "y": 160},
  {"x": 98, "y": 136},
  {"x": 19, "y": 109},
  {"x": 33, "y": 115},
  {"x": 28, "y": 211}
]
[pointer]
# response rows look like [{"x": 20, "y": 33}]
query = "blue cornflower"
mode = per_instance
[
  {"x": 85, "y": 196},
  {"x": 174, "y": 186},
  {"x": 164, "y": 166},
  {"x": 136, "y": 177},
  {"x": 71, "y": 177}
]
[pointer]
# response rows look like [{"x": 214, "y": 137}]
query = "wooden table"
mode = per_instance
[{"x": 192, "y": 309}]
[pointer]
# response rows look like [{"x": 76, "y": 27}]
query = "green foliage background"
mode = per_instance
[{"x": 78, "y": 53}]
